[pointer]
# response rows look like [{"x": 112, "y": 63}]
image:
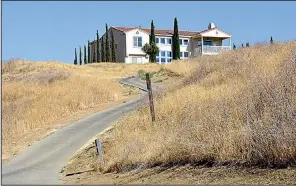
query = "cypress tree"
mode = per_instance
[
  {"x": 94, "y": 53},
  {"x": 176, "y": 44},
  {"x": 103, "y": 50},
  {"x": 80, "y": 56},
  {"x": 247, "y": 44},
  {"x": 242, "y": 45},
  {"x": 113, "y": 52},
  {"x": 98, "y": 48},
  {"x": 271, "y": 40},
  {"x": 88, "y": 53},
  {"x": 234, "y": 47},
  {"x": 107, "y": 45},
  {"x": 85, "y": 62},
  {"x": 75, "y": 58},
  {"x": 152, "y": 40}
]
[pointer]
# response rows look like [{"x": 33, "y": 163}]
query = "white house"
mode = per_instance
[{"x": 129, "y": 41}]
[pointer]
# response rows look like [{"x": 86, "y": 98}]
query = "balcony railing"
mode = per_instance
[
  {"x": 210, "y": 50},
  {"x": 215, "y": 49}
]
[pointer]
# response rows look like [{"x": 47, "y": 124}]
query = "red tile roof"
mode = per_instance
[{"x": 158, "y": 31}]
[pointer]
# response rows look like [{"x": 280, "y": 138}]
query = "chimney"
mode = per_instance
[{"x": 211, "y": 25}]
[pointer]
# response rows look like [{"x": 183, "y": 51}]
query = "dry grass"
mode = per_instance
[
  {"x": 236, "y": 107},
  {"x": 36, "y": 95},
  {"x": 85, "y": 161}
]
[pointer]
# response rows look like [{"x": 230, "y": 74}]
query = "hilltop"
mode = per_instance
[{"x": 228, "y": 119}]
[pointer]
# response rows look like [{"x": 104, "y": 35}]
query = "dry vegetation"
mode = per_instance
[
  {"x": 38, "y": 96},
  {"x": 82, "y": 170},
  {"x": 234, "y": 108}
]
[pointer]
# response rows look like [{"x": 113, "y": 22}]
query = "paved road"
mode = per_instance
[{"x": 42, "y": 162}]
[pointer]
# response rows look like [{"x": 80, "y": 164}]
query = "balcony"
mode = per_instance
[{"x": 209, "y": 50}]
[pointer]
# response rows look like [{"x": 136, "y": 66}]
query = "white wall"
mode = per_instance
[{"x": 136, "y": 51}]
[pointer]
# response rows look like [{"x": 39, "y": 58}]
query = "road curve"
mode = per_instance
[{"x": 42, "y": 162}]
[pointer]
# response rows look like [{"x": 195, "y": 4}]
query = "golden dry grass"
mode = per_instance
[
  {"x": 36, "y": 95},
  {"x": 236, "y": 107}
]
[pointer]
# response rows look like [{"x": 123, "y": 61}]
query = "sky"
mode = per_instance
[{"x": 51, "y": 30}]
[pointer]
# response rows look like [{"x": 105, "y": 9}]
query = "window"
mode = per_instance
[
  {"x": 186, "y": 54},
  {"x": 169, "y": 41},
  {"x": 162, "y": 40},
  {"x": 208, "y": 43},
  {"x": 156, "y": 40},
  {"x": 134, "y": 60},
  {"x": 137, "y": 41},
  {"x": 186, "y": 41},
  {"x": 181, "y": 54},
  {"x": 164, "y": 56},
  {"x": 140, "y": 41},
  {"x": 169, "y": 54},
  {"x": 180, "y": 41}
]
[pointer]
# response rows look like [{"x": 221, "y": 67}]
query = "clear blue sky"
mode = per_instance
[{"x": 41, "y": 31}]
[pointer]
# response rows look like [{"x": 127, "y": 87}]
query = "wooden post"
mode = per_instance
[
  {"x": 99, "y": 150},
  {"x": 149, "y": 88}
]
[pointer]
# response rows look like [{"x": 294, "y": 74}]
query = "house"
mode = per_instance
[{"x": 129, "y": 41}]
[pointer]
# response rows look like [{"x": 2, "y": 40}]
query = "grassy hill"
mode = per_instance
[
  {"x": 237, "y": 108},
  {"x": 40, "y": 97}
]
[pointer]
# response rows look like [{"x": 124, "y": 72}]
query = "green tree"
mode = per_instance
[
  {"x": 234, "y": 47},
  {"x": 88, "y": 53},
  {"x": 80, "y": 56},
  {"x": 175, "y": 42},
  {"x": 271, "y": 40},
  {"x": 103, "y": 56},
  {"x": 247, "y": 44},
  {"x": 107, "y": 45},
  {"x": 98, "y": 47},
  {"x": 85, "y": 61},
  {"x": 75, "y": 58},
  {"x": 113, "y": 52},
  {"x": 242, "y": 45},
  {"x": 150, "y": 49},
  {"x": 146, "y": 48},
  {"x": 94, "y": 52},
  {"x": 152, "y": 55}
]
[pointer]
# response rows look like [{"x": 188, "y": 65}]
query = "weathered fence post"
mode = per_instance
[
  {"x": 99, "y": 150},
  {"x": 149, "y": 88}
]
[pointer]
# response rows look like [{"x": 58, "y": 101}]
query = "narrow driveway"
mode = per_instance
[{"x": 42, "y": 162}]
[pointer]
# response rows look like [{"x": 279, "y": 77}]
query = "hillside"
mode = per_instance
[
  {"x": 41, "y": 97},
  {"x": 234, "y": 112}
]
